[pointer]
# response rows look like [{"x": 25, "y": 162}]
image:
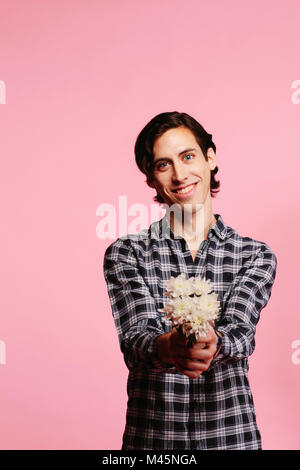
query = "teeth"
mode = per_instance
[{"x": 185, "y": 190}]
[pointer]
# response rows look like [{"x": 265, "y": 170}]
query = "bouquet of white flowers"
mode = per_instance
[{"x": 191, "y": 306}]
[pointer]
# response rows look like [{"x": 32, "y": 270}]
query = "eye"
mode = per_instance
[
  {"x": 189, "y": 155},
  {"x": 162, "y": 165}
]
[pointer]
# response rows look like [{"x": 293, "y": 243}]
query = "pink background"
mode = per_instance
[{"x": 82, "y": 79}]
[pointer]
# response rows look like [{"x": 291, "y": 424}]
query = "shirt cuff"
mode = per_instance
[
  {"x": 223, "y": 348},
  {"x": 158, "y": 364},
  {"x": 219, "y": 343}
]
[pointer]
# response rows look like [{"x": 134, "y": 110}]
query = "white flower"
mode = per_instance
[
  {"x": 179, "y": 309},
  {"x": 208, "y": 303},
  {"x": 178, "y": 286},
  {"x": 191, "y": 305},
  {"x": 182, "y": 305},
  {"x": 202, "y": 286}
]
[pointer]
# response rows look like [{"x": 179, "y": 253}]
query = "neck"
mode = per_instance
[{"x": 193, "y": 225}]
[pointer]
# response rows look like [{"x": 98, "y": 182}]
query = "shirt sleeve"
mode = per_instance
[
  {"x": 133, "y": 307},
  {"x": 249, "y": 294}
]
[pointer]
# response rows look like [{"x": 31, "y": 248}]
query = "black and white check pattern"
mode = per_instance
[{"x": 166, "y": 409}]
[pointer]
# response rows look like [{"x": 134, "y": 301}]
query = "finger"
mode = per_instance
[
  {"x": 203, "y": 354},
  {"x": 195, "y": 354},
  {"x": 188, "y": 373},
  {"x": 189, "y": 365}
]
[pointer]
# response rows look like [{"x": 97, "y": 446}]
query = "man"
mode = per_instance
[{"x": 181, "y": 397}]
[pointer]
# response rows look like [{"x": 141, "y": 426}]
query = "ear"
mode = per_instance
[{"x": 211, "y": 158}]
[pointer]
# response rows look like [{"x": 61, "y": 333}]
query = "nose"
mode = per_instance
[{"x": 179, "y": 172}]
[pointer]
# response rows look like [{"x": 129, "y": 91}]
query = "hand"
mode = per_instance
[{"x": 193, "y": 361}]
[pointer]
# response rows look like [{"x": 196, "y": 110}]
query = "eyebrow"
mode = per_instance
[{"x": 183, "y": 151}]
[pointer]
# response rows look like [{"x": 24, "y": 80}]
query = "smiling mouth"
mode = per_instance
[{"x": 185, "y": 190}]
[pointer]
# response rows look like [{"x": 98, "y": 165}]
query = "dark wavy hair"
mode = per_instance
[{"x": 143, "y": 148}]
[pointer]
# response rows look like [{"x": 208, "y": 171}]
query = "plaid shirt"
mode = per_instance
[{"x": 166, "y": 409}]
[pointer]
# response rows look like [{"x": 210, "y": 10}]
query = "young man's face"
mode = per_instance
[{"x": 181, "y": 173}]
